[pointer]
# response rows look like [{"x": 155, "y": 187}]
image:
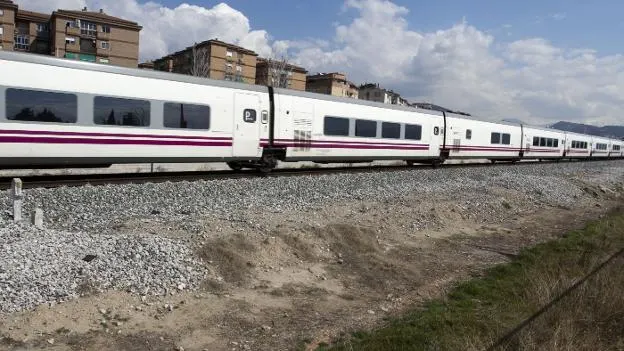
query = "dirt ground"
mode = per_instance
[{"x": 290, "y": 281}]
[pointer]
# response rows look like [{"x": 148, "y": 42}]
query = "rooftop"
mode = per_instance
[
  {"x": 99, "y": 16},
  {"x": 32, "y": 16},
  {"x": 261, "y": 61}
]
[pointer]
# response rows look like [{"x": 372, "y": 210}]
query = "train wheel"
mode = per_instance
[
  {"x": 235, "y": 166},
  {"x": 267, "y": 164},
  {"x": 409, "y": 162}
]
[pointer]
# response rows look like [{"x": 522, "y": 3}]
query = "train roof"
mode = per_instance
[{"x": 136, "y": 72}]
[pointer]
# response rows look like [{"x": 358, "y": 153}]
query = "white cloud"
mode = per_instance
[
  {"x": 559, "y": 16},
  {"x": 465, "y": 68},
  {"x": 166, "y": 30},
  {"x": 461, "y": 67}
]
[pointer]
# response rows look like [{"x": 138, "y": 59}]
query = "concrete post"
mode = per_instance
[
  {"x": 38, "y": 218},
  {"x": 17, "y": 197}
]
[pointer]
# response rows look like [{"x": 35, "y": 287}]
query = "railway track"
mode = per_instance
[{"x": 55, "y": 181}]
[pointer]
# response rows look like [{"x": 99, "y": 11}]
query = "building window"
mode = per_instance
[
  {"x": 121, "y": 112},
  {"x": 413, "y": 132},
  {"x": 495, "y": 138},
  {"x": 468, "y": 134},
  {"x": 105, "y": 45},
  {"x": 42, "y": 28},
  {"x": 390, "y": 130},
  {"x": 105, "y": 29},
  {"x": 229, "y": 53},
  {"x": 104, "y": 60},
  {"x": 1, "y": 12},
  {"x": 70, "y": 40},
  {"x": 1, "y": 31},
  {"x": 186, "y": 116},
  {"x": 88, "y": 28},
  {"x": 22, "y": 42},
  {"x": 336, "y": 126},
  {"x": 367, "y": 129},
  {"x": 41, "y": 106},
  {"x": 239, "y": 68}
]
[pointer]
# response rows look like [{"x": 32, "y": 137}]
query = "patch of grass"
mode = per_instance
[{"x": 478, "y": 312}]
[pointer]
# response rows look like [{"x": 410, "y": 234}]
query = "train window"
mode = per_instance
[
  {"x": 616, "y": 147},
  {"x": 549, "y": 142},
  {"x": 121, "y": 112},
  {"x": 413, "y": 132},
  {"x": 41, "y": 106},
  {"x": 556, "y": 143},
  {"x": 187, "y": 116},
  {"x": 536, "y": 141},
  {"x": 495, "y": 139},
  {"x": 391, "y": 130},
  {"x": 468, "y": 134},
  {"x": 364, "y": 128},
  {"x": 506, "y": 139},
  {"x": 336, "y": 126},
  {"x": 542, "y": 141}
]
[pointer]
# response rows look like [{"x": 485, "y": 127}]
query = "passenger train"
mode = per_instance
[{"x": 64, "y": 113}]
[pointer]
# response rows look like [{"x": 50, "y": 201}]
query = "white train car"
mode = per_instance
[
  {"x": 64, "y": 112},
  {"x": 577, "y": 146},
  {"x": 324, "y": 128},
  {"x": 600, "y": 147},
  {"x": 474, "y": 139},
  {"x": 543, "y": 143},
  {"x": 617, "y": 149}
]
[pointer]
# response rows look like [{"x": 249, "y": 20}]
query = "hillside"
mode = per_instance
[{"x": 606, "y": 131}]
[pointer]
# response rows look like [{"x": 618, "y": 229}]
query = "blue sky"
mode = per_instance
[
  {"x": 566, "y": 23},
  {"x": 538, "y": 61}
]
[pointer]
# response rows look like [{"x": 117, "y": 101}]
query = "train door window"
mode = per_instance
[
  {"x": 549, "y": 142},
  {"x": 390, "y": 130},
  {"x": 495, "y": 138},
  {"x": 542, "y": 141},
  {"x": 536, "y": 141},
  {"x": 265, "y": 117},
  {"x": 336, "y": 126},
  {"x": 468, "y": 134},
  {"x": 413, "y": 132},
  {"x": 121, "y": 112},
  {"x": 506, "y": 139},
  {"x": 41, "y": 106},
  {"x": 364, "y": 128},
  {"x": 187, "y": 116},
  {"x": 556, "y": 143},
  {"x": 249, "y": 115}
]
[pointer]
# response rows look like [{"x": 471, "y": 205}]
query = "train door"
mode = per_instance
[{"x": 246, "y": 136}]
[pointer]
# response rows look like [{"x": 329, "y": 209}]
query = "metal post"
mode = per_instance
[
  {"x": 16, "y": 197},
  {"x": 38, "y": 218}
]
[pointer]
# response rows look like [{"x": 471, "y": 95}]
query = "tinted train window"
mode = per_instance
[
  {"x": 549, "y": 142},
  {"x": 556, "y": 143},
  {"x": 121, "y": 112},
  {"x": 536, "y": 141},
  {"x": 391, "y": 130},
  {"x": 542, "y": 141},
  {"x": 336, "y": 126},
  {"x": 495, "y": 139},
  {"x": 413, "y": 132},
  {"x": 186, "y": 116},
  {"x": 365, "y": 128},
  {"x": 41, "y": 106},
  {"x": 468, "y": 134},
  {"x": 506, "y": 139}
]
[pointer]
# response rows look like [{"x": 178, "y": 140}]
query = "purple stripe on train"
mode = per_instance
[
  {"x": 115, "y": 135},
  {"x": 55, "y": 140}
]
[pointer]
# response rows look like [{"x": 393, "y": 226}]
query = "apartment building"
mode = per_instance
[
  {"x": 331, "y": 84},
  {"x": 81, "y": 35},
  {"x": 373, "y": 92},
  {"x": 213, "y": 59},
  {"x": 279, "y": 73}
]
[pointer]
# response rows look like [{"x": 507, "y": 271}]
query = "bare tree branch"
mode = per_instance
[
  {"x": 279, "y": 72},
  {"x": 200, "y": 67}
]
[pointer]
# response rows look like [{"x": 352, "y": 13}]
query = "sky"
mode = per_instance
[{"x": 536, "y": 61}]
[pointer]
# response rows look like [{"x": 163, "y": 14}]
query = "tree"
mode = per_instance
[
  {"x": 200, "y": 65},
  {"x": 278, "y": 72}
]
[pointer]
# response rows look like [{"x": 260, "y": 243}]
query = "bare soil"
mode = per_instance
[{"x": 290, "y": 281}]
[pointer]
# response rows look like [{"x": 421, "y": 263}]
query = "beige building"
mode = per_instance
[
  {"x": 280, "y": 74},
  {"x": 372, "y": 92},
  {"x": 331, "y": 84},
  {"x": 81, "y": 35},
  {"x": 213, "y": 59}
]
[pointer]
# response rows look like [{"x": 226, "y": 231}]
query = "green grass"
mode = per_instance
[{"x": 478, "y": 312}]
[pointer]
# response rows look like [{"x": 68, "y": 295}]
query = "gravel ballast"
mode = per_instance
[{"x": 80, "y": 247}]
